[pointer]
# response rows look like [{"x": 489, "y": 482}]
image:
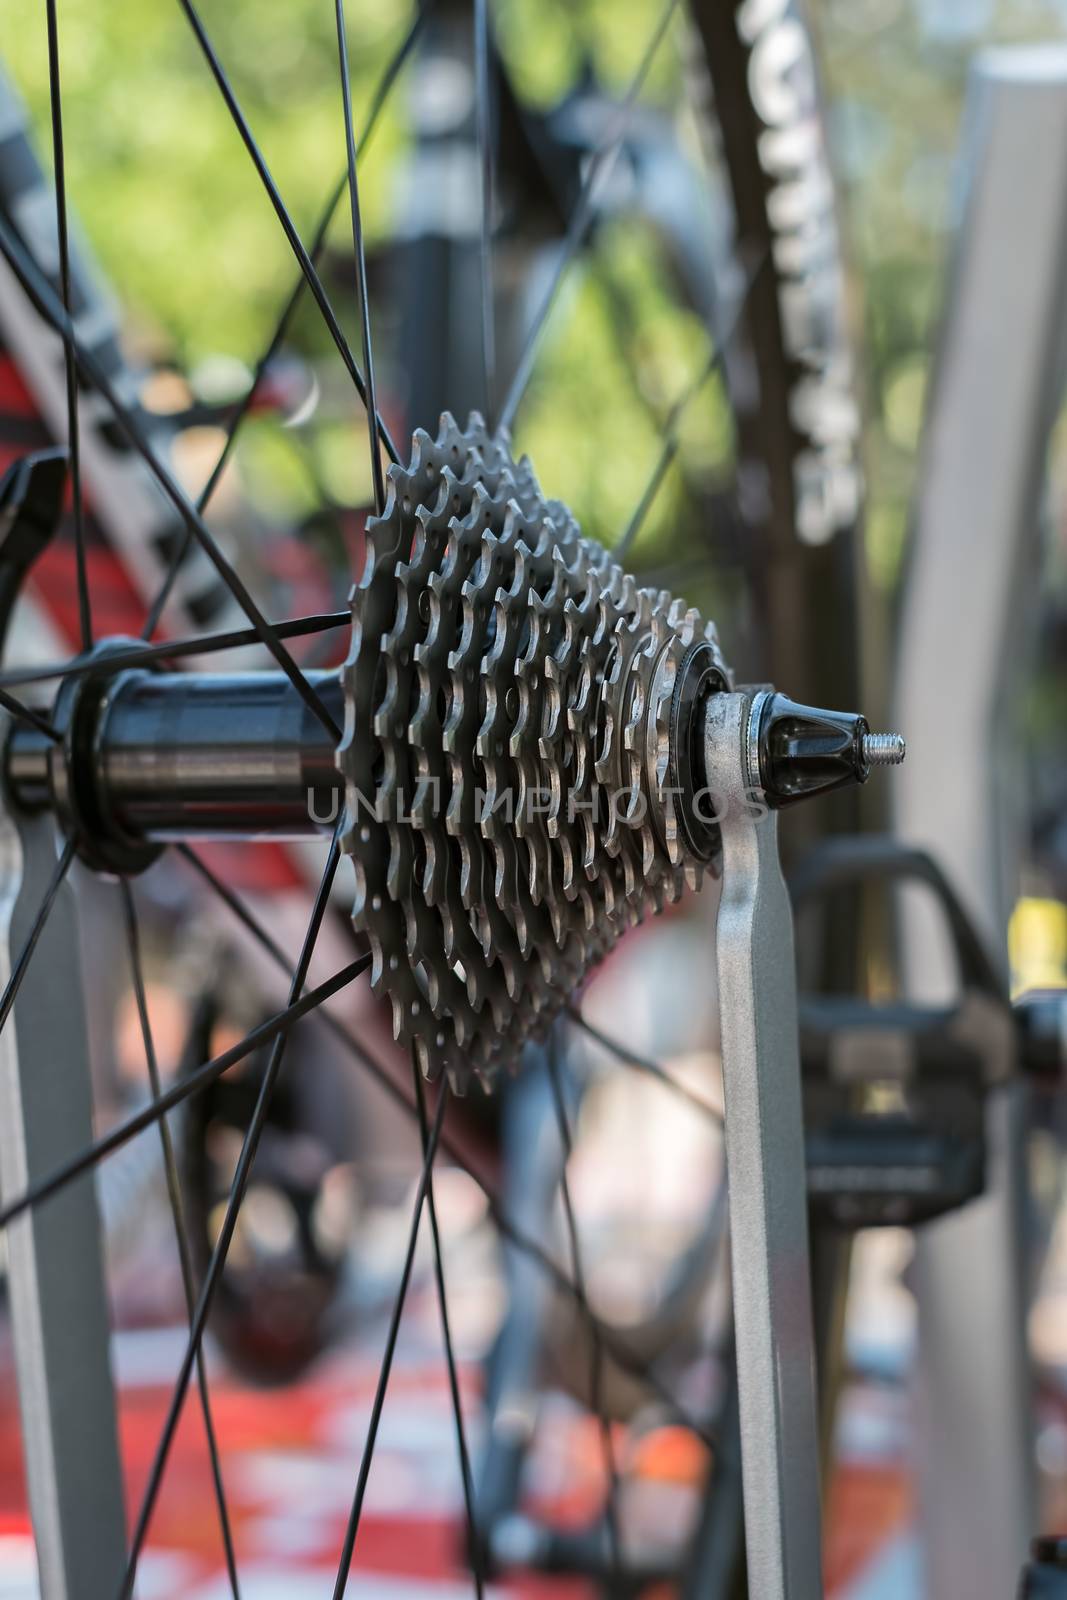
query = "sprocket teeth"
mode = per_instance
[{"x": 507, "y": 718}]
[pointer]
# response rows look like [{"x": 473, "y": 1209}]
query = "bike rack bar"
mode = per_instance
[
  {"x": 964, "y": 629},
  {"x": 766, "y": 1174},
  {"x": 59, "y": 1308}
]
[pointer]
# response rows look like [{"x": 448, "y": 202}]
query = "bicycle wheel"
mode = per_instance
[
  {"x": 494, "y": 649},
  {"x": 796, "y": 429}
]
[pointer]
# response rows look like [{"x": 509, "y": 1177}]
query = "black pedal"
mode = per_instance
[{"x": 894, "y": 1095}]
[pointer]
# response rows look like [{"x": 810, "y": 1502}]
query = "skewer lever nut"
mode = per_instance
[{"x": 796, "y": 751}]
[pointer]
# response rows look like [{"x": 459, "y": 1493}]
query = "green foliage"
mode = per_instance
[
  {"x": 622, "y": 350},
  {"x": 176, "y": 214},
  {"x": 156, "y": 172}
]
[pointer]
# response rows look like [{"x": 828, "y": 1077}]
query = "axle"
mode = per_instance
[{"x": 151, "y": 757}]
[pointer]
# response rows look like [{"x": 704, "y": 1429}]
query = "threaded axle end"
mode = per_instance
[{"x": 883, "y": 749}]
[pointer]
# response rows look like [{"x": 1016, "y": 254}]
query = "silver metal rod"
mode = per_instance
[
  {"x": 59, "y": 1309},
  {"x": 766, "y": 1174}
]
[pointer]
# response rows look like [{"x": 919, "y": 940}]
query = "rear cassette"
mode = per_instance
[{"x": 507, "y": 806}]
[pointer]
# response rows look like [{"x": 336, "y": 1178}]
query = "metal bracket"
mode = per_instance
[
  {"x": 59, "y": 1305},
  {"x": 766, "y": 1172},
  {"x": 55, "y": 1262}
]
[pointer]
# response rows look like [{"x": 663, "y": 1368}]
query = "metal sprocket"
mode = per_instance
[{"x": 507, "y": 809}]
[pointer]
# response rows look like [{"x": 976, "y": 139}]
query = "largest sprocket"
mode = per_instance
[{"x": 511, "y": 696}]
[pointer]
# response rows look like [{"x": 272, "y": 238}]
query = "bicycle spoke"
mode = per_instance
[
  {"x": 668, "y": 451},
  {"x": 282, "y": 213},
  {"x": 600, "y": 170},
  {"x": 318, "y": 243},
  {"x": 73, "y": 443},
  {"x": 174, "y": 1195},
  {"x": 677, "y": 575},
  {"x": 671, "y": 438},
  {"x": 616, "y": 1348},
  {"x": 234, "y": 903},
  {"x": 596, "y": 1372},
  {"x": 652, "y": 1069},
  {"x": 484, "y": 117},
  {"x": 714, "y": 535},
  {"x": 620, "y": 316},
  {"x": 377, "y": 105},
  {"x": 384, "y": 1372},
  {"x": 446, "y": 1333},
  {"x": 229, "y": 1223},
  {"x": 28, "y": 714},
  {"x": 273, "y": 1028},
  {"x": 360, "y": 263},
  {"x": 25, "y": 955},
  {"x": 623, "y": 329},
  {"x": 167, "y": 650},
  {"x": 39, "y": 292}
]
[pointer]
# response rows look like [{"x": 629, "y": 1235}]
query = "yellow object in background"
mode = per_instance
[{"x": 1037, "y": 945}]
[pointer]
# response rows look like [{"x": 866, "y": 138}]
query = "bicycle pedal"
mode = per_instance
[{"x": 895, "y": 1094}]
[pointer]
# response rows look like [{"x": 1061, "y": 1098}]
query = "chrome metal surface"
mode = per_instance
[
  {"x": 59, "y": 1310},
  {"x": 884, "y": 749},
  {"x": 750, "y": 736},
  {"x": 765, "y": 1167},
  {"x": 176, "y": 755},
  {"x": 507, "y": 815}
]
